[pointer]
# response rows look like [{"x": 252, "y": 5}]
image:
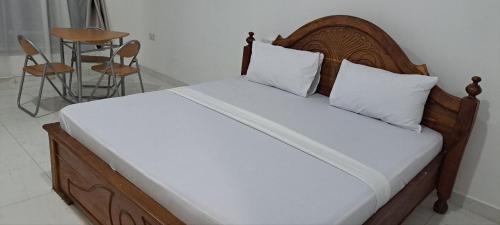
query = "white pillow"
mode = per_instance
[
  {"x": 287, "y": 69},
  {"x": 317, "y": 77},
  {"x": 398, "y": 99}
]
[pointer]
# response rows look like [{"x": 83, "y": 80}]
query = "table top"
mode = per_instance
[{"x": 86, "y": 35}]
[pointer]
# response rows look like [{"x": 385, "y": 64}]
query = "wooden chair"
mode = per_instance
[
  {"x": 39, "y": 70},
  {"x": 92, "y": 58},
  {"x": 115, "y": 70}
]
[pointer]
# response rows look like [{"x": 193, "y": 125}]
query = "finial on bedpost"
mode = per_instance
[
  {"x": 247, "y": 53},
  {"x": 278, "y": 39},
  {"x": 474, "y": 89},
  {"x": 250, "y": 38}
]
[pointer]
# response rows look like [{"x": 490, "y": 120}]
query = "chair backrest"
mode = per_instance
[
  {"x": 129, "y": 49},
  {"x": 28, "y": 47}
]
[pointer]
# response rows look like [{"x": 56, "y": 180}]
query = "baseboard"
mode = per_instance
[
  {"x": 8, "y": 77},
  {"x": 162, "y": 77},
  {"x": 477, "y": 206}
]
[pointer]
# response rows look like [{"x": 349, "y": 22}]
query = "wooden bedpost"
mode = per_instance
[
  {"x": 54, "y": 151},
  {"x": 449, "y": 169},
  {"x": 247, "y": 53}
]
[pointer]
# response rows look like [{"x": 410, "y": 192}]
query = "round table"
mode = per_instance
[{"x": 77, "y": 36}]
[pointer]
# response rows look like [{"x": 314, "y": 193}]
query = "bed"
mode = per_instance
[{"x": 188, "y": 164}]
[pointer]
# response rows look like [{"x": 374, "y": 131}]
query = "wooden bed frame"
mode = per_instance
[{"x": 107, "y": 198}]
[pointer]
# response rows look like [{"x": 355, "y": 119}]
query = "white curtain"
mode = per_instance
[
  {"x": 33, "y": 19},
  {"x": 78, "y": 12},
  {"x": 27, "y": 17},
  {"x": 101, "y": 14},
  {"x": 88, "y": 13}
]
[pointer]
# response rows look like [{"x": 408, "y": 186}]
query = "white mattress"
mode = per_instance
[{"x": 207, "y": 168}]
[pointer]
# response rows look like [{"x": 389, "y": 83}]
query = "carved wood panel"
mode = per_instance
[
  {"x": 99, "y": 200},
  {"x": 338, "y": 43},
  {"x": 124, "y": 214}
]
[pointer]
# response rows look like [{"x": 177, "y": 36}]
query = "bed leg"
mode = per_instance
[
  {"x": 56, "y": 186},
  {"x": 441, "y": 206},
  {"x": 65, "y": 198}
]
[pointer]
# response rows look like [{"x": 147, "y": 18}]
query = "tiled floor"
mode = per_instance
[{"x": 25, "y": 187}]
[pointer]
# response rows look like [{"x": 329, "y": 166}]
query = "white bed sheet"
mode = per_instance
[{"x": 207, "y": 168}]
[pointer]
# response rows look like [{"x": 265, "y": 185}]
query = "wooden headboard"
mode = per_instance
[
  {"x": 359, "y": 41},
  {"x": 346, "y": 37}
]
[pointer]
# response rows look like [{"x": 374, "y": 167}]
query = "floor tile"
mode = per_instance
[
  {"x": 13, "y": 83},
  {"x": 21, "y": 184},
  {"x": 27, "y": 131},
  {"x": 8, "y": 98},
  {"x": 20, "y": 176},
  {"x": 419, "y": 216},
  {"x": 46, "y": 209},
  {"x": 46, "y": 168},
  {"x": 12, "y": 156},
  {"x": 458, "y": 216},
  {"x": 49, "y": 118}
]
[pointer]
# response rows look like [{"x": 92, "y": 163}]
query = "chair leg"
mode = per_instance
[
  {"x": 71, "y": 73},
  {"x": 139, "y": 73},
  {"x": 116, "y": 86},
  {"x": 122, "y": 84},
  {"x": 108, "y": 89},
  {"x": 64, "y": 85},
  {"x": 59, "y": 92},
  {"x": 140, "y": 81},
  {"x": 40, "y": 91},
  {"x": 96, "y": 86},
  {"x": 112, "y": 88},
  {"x": 20, "y": 89}
]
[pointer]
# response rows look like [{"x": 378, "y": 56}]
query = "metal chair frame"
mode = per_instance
[
  {"x": 104, "y": 46},
  {"x": 48, "y": 65},
  {"x": 109, "y": 67}
]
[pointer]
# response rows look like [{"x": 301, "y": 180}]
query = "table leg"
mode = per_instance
[
  {"x": 61, "y": 49},
  {"x": 79, "y": 70},
  {"x": 123, "y": 79}
]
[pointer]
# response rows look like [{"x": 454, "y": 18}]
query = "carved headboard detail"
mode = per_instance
[{"x": 346, "y": 37}]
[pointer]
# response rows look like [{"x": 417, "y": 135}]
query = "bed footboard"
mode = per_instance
[{"x": 107, "y": 198}]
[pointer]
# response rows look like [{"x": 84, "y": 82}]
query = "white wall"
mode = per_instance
[{"x": 200, "y": 40}]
